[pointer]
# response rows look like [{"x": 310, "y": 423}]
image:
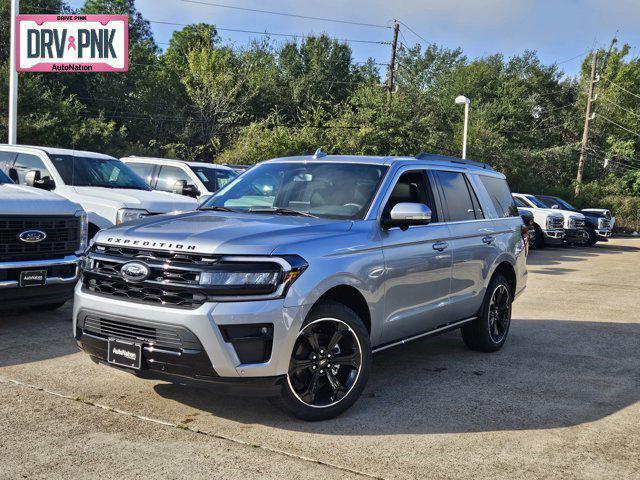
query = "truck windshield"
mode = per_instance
[
  {"x": 535, "y": 201},
  {"x": 213, "y": 178},
  {"x": 96, "y": 172},
  {"x": 4, "y": 178},
  {"x": 326, "y": 190}
]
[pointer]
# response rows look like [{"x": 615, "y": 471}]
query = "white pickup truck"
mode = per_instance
[
  {"x": 108, "y": 190},
  {"x": 42, "y": 237},
  {"x": 573, "y": 222},
  {"x": 548, "y": 224}
]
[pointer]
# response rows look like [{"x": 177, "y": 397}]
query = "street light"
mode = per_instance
[{"x": 460, "y": 100}]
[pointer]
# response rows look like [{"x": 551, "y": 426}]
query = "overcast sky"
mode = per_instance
[{"x": 557, "y": 29}]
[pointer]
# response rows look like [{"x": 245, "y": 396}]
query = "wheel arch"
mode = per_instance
[
  {"x": 506, "y": 269},
  {"x": 351, "y": 297}
]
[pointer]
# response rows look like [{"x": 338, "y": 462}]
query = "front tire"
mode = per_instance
[
  {"x": 329, "y": 365},
  {"x": 489, "y": 331},
  {"x": 593, "y": 237},
  {"x": 539, "y": 242}
]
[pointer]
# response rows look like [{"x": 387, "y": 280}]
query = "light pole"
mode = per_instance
[
  {"x": 460, "y": 100},
  {"x": 13, "y": 77}
]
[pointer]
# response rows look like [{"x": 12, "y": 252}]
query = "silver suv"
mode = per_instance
[{"x": 290, "y": 277}]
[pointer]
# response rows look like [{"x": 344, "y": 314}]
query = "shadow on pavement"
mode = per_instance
[{"x": 551, "y": 374}]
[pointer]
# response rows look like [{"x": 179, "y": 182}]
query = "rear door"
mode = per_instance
[
  {"x": 417, "y": 262},
  {"x": 473, "y": 239}
]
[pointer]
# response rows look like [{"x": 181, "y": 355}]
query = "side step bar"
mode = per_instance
[{"x": 443, "y": 328}]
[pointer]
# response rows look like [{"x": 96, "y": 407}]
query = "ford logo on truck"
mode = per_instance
[
  {"x": 32, "y": 236},
  {"x": 134, "y": 271}
]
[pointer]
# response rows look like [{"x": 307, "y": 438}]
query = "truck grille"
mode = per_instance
[
  {"x": 556, "y": 223},
  {"x": 604, "y": 223},
  {"x": 578, "y": 223},
  {"x": 173, "y": 280},
  {"x": 146, "y": 332},
  {"x": 63, "y": 237}
]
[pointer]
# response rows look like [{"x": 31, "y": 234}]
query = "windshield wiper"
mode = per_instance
[
  {"x": 281, "y": 211},
  {"x": 219, "y": 209}
]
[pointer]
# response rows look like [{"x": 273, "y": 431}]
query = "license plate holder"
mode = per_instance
[
  {"x": 33, "y": 278},
  {"x": 124, "y": 354}
]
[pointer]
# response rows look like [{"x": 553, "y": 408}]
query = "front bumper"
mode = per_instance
[
  {"x": 62, "y": 275},
  {"x": 604, "y": 233},
  {"x": 213, "y": 359},
  {"x": 554, "y": 237},
  {"x": 576, "y": 235}
]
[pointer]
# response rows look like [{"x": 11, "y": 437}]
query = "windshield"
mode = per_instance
[
  {"x": 327, "y": 190},
  {"x": 4, "y": 178},
  {"x": 213, "y": 178},
  {"x": 520, "y": 203},
  {"x": 535, "y": 201},
  {"x": 562, "y": 204},
  {"x": 97, "y": 172}
]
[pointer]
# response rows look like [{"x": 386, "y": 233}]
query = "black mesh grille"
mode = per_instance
[{"x": 63, "y": 237}]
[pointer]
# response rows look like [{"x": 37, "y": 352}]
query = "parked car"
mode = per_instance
[
  {"x": 287, "y": 279},
  {"x": 193, "y": 179},
  {"x": 43, "y": 236},
  {"x": 528, "y": 220},
  {"x": 238, "y": 168},
  {"x": 547, "y": 224},
  {"x": 575, "y": 231},
  {"x": 598, "y": 224},
  {"x": 107, "y": 189}
]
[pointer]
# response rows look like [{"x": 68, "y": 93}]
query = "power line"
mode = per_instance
[
  {"x": 618, "y": 125},
  {"x": 621, "y": 107},
  {"x": 572, "y": 58},
  {"x": 620, "y": 87},
  {"x": 277, "y": 34},
  {"x": 270, "y": 12},
  {"x": 413, "y": 31}
]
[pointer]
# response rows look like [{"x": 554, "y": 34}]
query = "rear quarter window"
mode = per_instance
[{"x": 500, "y": 195}]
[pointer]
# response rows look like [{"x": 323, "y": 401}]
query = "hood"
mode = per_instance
[
  {"x": 596, "y": 212},
  {"x": 152, "y": 201},
  {"x": 553, "y": 212},
  {"x": 23, "y": 200},
  {"x": 221, "y": 233}
]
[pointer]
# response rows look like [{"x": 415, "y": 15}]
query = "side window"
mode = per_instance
[
  {"x": 519, "y": 203},
  {"x": 500, "y": 194},
  {"x": 6, "y": 159},
  {"x": 459, "y": 196},
  {"x": 143, "y": 170},
  {"x": 412, "y": 187},
  {"x": 168, "y": 177},
  {"x": 25, "y": 162}
]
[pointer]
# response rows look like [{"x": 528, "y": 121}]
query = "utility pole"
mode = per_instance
[
  {"x": 392, "y": 61},
  {"x": 13, "y": 77},
  {"x": 587, "y": 121}
]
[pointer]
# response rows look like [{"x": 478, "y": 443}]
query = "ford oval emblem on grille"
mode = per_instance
[
  {"x": 32, "y": 236},
  {"x": 135, "y": 271}
]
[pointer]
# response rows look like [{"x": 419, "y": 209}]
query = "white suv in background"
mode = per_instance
[
  {"x": 193, "y": 179},
  {"x": 108, "y": 190},
  {"x": 574, "y": 222}
]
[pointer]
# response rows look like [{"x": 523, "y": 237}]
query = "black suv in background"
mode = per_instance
[{"x": 598, "y": 225}]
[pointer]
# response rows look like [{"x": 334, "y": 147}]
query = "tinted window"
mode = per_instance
[
  {"x": 500, "y": 194},
  {"x": 520, "y": 203},
  {"x": 24, "y": 163},
  {"x": 168, "y": 177},
  {"x": 411, "y": 187},
  {"x": 96, "y": 172},
  {"x": 214, "y": 178},
  {"x": 6, "y": 158},
  {"x": 143, "y": 170},
  {"x": 328, "y": 190},
  {"x": 4, "y": 178},
  {"x": 457, "y": 196}
]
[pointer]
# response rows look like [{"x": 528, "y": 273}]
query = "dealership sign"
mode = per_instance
[{"x": 72, "y": 43}]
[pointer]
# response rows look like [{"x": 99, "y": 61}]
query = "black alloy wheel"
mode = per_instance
[{"x": 499, "y": 313}]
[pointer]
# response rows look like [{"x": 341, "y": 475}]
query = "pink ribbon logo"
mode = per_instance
[{"x": 72, "y": 43}]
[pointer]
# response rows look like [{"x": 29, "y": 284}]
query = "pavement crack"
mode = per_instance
[{"x": 189, "y": 428}]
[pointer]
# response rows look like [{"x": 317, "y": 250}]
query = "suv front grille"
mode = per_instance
[
  {"x": 63, "y": 237},
  {"x": 146, "y": 332}
]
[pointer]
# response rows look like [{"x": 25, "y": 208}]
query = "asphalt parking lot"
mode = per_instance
[{"x": 561, "y": 400}]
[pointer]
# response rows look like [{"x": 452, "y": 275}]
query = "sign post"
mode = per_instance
[{"x": 13, "y": 77}]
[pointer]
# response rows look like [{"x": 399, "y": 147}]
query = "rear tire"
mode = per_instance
[
  {"x": 539, "y": 243},
  {"x": 489, "y": 331},
  {"x": 329, "y": 365}
]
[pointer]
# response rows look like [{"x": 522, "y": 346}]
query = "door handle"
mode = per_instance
[
  {"x": 488, "y": 239},
  {"x": 440, "y": 246}
]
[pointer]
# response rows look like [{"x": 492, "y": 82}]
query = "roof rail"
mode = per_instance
[{"x": 444, "y": 158}]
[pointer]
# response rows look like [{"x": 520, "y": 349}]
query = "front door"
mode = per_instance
[{"x": 417, "y": 263}]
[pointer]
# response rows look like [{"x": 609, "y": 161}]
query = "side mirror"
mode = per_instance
[
  {"x": 181, "y": 187},
  {"x": 203, "y": 199},
  {"x": 556, "y": 206},
  {"x": 33, "y": 179},
  {"x": 405, "y": 214}
]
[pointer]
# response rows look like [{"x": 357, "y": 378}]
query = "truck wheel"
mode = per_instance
[
  {"x": 489, "y": 331},
  {"x": 48, "y": 306},
  {"x": 593, "y": 237},
  {"x": 329, "y": 365},
  {"x": 539, "y": 243}
]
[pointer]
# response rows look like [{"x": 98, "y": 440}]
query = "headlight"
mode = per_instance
[
  {"x": 84, "y": 231},
  {"x": 130, "y": 214},
  {"x": 549, "y": 223},
  {"x": 256, "y": 276}
]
